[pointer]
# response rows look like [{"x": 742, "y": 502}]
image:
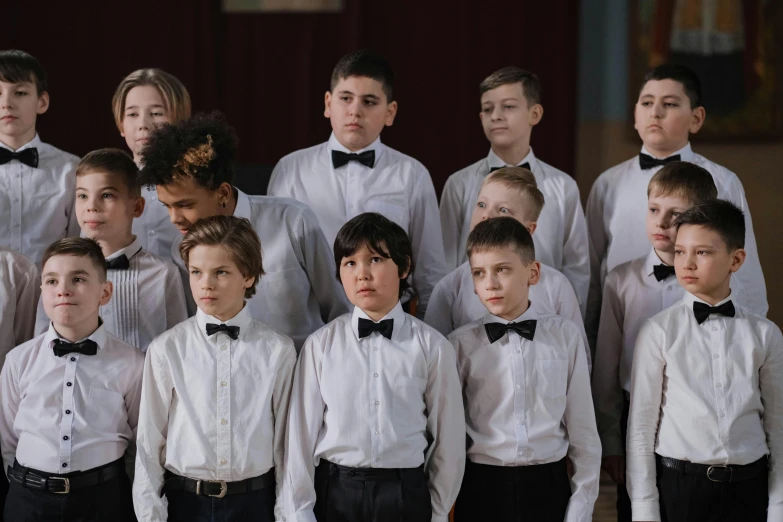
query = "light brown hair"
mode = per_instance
[
  {"x": 521, "y": 180},
  {"x": 115, "y": 162},
  {"x": 236, "y": 236},
  {"x": 531, "y": 85},
  {"x": 176, "y": 99},
  {"x": 78, "y": 247},
  {"x": 686, "y": 180}
]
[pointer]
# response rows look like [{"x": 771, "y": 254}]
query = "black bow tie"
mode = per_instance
[
  {"x": 86, "y": 347},
  {"x": 702, "y": 311},
  {"x": 526, "y": 329},
  {"x": 366, "y": 158},
  {"x": 118, "y": 263},
  {"x": 648, "y": 162},
  {"x": 661, "y": 272},
  {"x": 385, "y": 327},
  {"x": 524, "y": 166},
  {"x": 231, "y": 331},
  {"x": 28, "y": 156}
]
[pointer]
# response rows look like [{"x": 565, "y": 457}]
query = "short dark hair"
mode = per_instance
[
  {"x": 679, "y": 73},
  {"x": 684, "y": 179},
  {"x": 202, "y": 148},
  {"x": 19, "y": 67},
  {"x": 718, "y": 215},
  {"x": 78, "y": 247},
  {"x": 115, "y": 162},
  {"x": 368, "y": 64},
  {"x": 531, "y": 85},
  {"x": 236, "y": 236},
  {"x": 502, "y": 232},
  {"x": 382, "y": 236}
]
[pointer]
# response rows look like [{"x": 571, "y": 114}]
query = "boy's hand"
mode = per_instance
[{"x": 614, "y": 465}]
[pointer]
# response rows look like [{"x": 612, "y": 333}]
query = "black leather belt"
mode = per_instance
[
  {"x": 717, "y": 473},
  {"x": 218, "y": 488},
  {"x": 64, "y": 484},
  {"x": 372, "y": 474}
]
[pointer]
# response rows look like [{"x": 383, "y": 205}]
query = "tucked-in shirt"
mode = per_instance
[
  {"x": 299, "y": 292},
  {"x": 213, "y": 408},
  {"x": 398, "y": 186},
  {"x": 36, "y": 204},
  {"x": 616, "y": 214},
  {"x": 709, "y": 393},
  {"x": 455, "y": 303},
  {"x": 153, "y": 228},
  {"x": 528, "y": 402},
  {"x": 69, "y": 413},
  {"x": 379, "y": 403},
  {"x": 20, "y": 287},
  {"x": 561, "y": 236}
]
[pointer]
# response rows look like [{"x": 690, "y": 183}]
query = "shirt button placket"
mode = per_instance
[
  {"x": 66, "y": 422},
  {"x": 224, "y": 406}
]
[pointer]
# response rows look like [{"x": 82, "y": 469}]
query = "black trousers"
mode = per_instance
[
  {"x": 106, "y": 502},
  {"x": 623, "y": 500},
  {"x": 371, "y": 494},
  {"x": 520, "y": 494},
  {"x": 693, "y": 498},
  {"x": 258, "y": 506}
]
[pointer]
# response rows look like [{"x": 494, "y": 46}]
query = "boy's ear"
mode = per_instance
[
  {"x": 737, "y": 259},
  {"x": 106, "y": 293},
  {"x": 43, "y": 102},
  {"x": 697, "y": 119},
  {"x": 531, "y": 226},
  {"x": 407, "y": 269},
  {"x": 391, "y": 112},
  {"x": 328, "y": 104},
  {"x": 535, "y": 273},
  {"x": 249, "y": 282},
  {"x": 138, "y": 206},
  {"x": 536, "y": 113}
]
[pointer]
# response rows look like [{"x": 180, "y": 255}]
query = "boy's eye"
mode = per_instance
[
  {"x": 78, "y": 279},
  {"x": 676, "y": 214},
  {"x": 107, "y": 195},
  {"x": 482, "y": 204},
  {"x": 158, "y": 114},
  {"x": 21, "y": 93},
  {"x": 702, "y": 252},
  {"x": 349, "y": 263},
  {"x": 653, "y": 210},
  {"x": 81, "y": 196},
  {"x": 669, "y": 104},
  {"x": 376, "y": 259},
  {"x": 370, "y": 102},
  {"x": 131, "y": 115},
  {"x": 221, "y": 272},
  {"x": 509, "y": 107},
  {"x": 677, "y": 252},
  {"x": 504, "y": 210},
  {"x": 646, "y": 103},
  {"x": 51, "y": 281}
]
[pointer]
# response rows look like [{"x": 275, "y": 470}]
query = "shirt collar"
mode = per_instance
[
  {"x": 99, "y": 335},
  {"x": 651, "y": 261},
  {"x": 334, "y": 144},
  {"x": 689, "y": 299},
  {"x": 242, "y": 320},
  {"x": 35, "y": 142},
  {"x": 242, "y": 209},
  {"x": 396, "y": 313},
  {"x": 129, "y": 251},
  {"x": 686, "y": 153},
  {"x": 494, "y": 161},
  {"x": 530, "y": 314}
]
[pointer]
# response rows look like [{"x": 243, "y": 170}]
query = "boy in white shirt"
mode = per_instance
[
  {"x": 668, "y": 110},
  {"x": 20, "y": 288},
  {"x": 510, "y": 108},
  {"x": 705, "y": 429},
  {"x": 36, "y": 180},
  {"x": 148, "y": 295},
  {"x": 354, "y": 172},
  {"x": 634, "y": 292},
  {"x": 70, "y": 400},
  {"x": 215, "y": 396},
  {"x": 526, "y": 389},
  {"x": 512, "y": 192},
  {"x": 376, "y": 428}
]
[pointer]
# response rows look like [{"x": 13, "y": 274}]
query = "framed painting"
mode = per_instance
[{"x": 734, "y": 46}]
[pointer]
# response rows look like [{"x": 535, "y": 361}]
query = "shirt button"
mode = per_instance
[
  {"x": 669, "y": 287},
  {"x": 714, "y": 328},
  {"x": 719, "y": 385},
  {"x": 65, "y": 437},
  {"x": 67, "y": 412},
  {"x": 223, "y": 422},
  {"x": 223, "y": 461},
  {"x": 377, "y": 432},
  {"x": 722, "y": 415},
  {"x": 519, "y": 422},
  {"x": 69, "y": 384},
  {"x": 223, "y": 383},
  {"x": 715, "y": 356},
  {"x": 152, "y": 232},
  {"x": 375, "y": 375},
  {"x": 375, "y": 349},
  {"x": 65, "y": 464},
  {"x": 519, "y": 386},
  {"x": 223, "y": 347},
  {"x": 377, "y": 459},
  {"x": 107, "y": 311},
  {"x": 73, "y": 359},
  {"x": 519, "y": 350},
  {"x": 377, "y": 403}
]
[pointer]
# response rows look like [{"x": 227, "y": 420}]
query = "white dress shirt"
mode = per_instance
[
  {"x": 399, "y": 187},
  {"x": 455, "y": 303},
  {"x": 616, "y": 221},
  {"x": 299, "y": 292},
  {"x": 561, "y": 236},
  {"x": 153, "y": 228},
  {"x": 70, "y": 413},
  {"x": 710, "y": 394},
  {"x": 379, "y": 403},
  {"x": 212, "y": 408},
  {"x": 528, "y": 402},
  {"x": 36, "y": 204},
  {"x": 20, "y": 287}
]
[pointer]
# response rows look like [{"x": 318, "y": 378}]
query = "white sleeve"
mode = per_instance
[
  {"x": 176, "y": 305},
  {"x": 281, "y": 397},
  {"x": 9, "y": 406},
  {"x": 27, "y": 284},
  {"x": 439, "y": 310},
  {"x": 599, "y": 243},
  {"x": 576, "y": 249},
  {"x": 452, "y": 218}
]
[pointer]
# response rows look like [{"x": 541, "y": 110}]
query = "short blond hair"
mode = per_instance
[
  {"x": 236, "y": 236},
  {"x": 523, "y": 181},
  {"x": 176, "y": 99}
]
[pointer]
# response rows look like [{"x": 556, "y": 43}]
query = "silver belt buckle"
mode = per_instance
[
  {"x": 66, "y": 482},
  {"x": 223, "y": 488},
  {"x": 709, "y": 473}
]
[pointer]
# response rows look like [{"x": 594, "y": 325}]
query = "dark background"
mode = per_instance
[{"x": 269, "y": 72}]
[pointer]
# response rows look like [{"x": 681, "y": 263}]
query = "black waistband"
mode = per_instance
[
  {"x": 67, "y": 482},
  {"x": 371, "y": 474},
  {"x": 510, "y": 472},
  {"x": 218, "y": 488},
  {"x": 717, "y": 473}
]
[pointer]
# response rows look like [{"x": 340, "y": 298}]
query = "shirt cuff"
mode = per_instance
[
  {"x": 774, "y": 513},
  {"x": 306, "y": 515},
  {"x": 647, "y": 511},
  {"x": 440, "y": 518},
  {"x": 579, "y": 512}
]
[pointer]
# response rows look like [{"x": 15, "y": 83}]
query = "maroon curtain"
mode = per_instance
[{"x": 268, "y": 72}]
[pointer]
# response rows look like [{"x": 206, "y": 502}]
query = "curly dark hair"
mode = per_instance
[{"x": 202, "y": 147}]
